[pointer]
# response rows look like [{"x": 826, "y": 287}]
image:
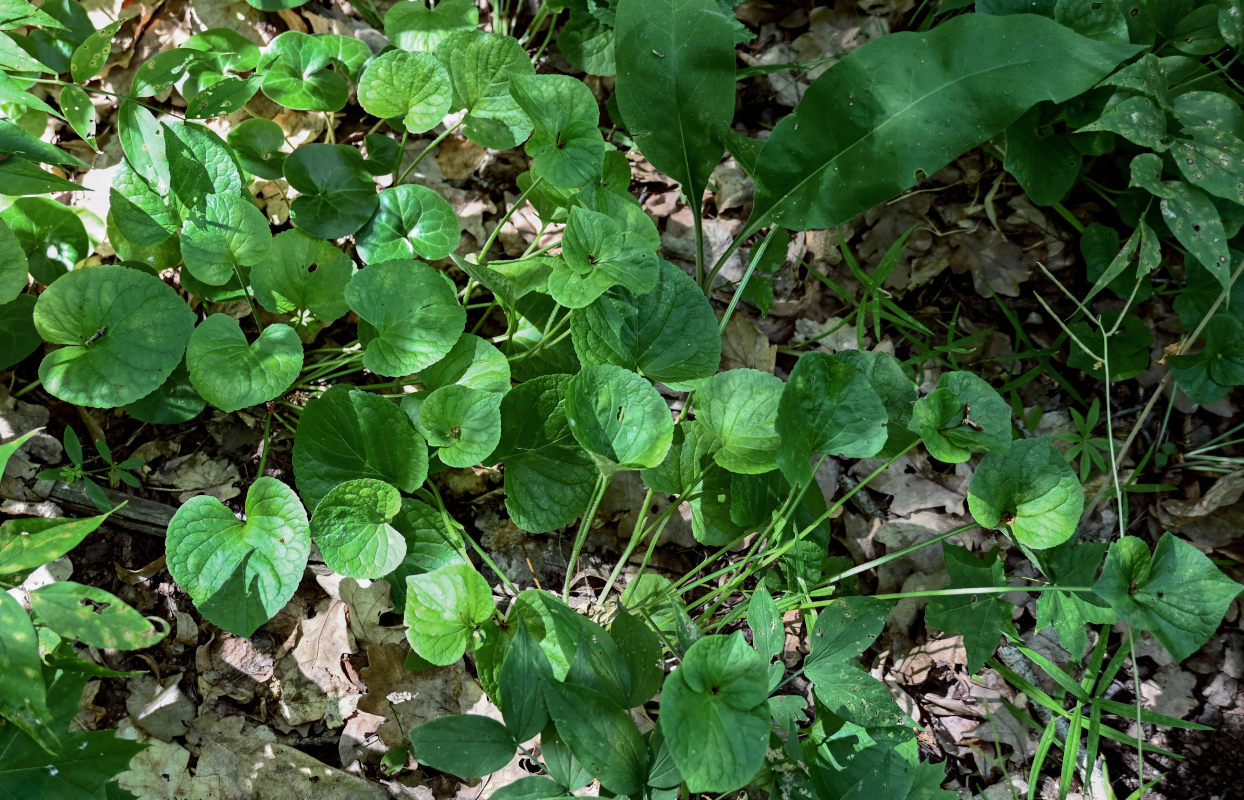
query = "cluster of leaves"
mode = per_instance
[{"x": 567, "y": 397}]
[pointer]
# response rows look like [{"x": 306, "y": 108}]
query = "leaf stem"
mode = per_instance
[
  {"x": 442, "y": 137},
  {"x": 483, "y": 253},
  {"x": 585, "y": 524}
]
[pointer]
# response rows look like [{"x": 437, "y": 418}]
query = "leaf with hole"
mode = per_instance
[
  {"x": 464, "y": 423},
  {"x": 303, "y": 274},
  {"x": 351, "y": 527},
  {"x": 91, "y": 56},
  {"x": 123, "y": 332},
  {"x": 410, "y": 221},
  {"x": 618, "y": 417},
  {"x": 164, "y": 69},
  {"x": 92, "y": 616},
  {"x": 1030, "y": 491},
  {"x": 443, "y": 609},
  {"x": 739, "y": 408},
  {"x": 336, "y": 192},
  {"x": 240, "y": 573},
  {"x": 843, "y": 630},
  {"x": 413, "y": 87},
  {"x": 79, "y": 112},
  {"x": 1190, "y": 215},
  {"x": 231, "y": 373}
]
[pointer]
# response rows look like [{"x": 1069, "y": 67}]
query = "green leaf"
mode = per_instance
[
  {"x": 1072, "y": 564},
  {"x": 1030, "y": 491},
  {"x": 601, "y": 734},
  {"x": 556, "y": 629},
  {"x": 668, "y": 335},
  {"x": 336, "y": 192},
  {"x": 642, "y": 652},
  {"x": 1177, "y": 592},
  {"x": 897, "y": 393},
  {"x": 411, "y": 221},
  {"x": 473, "y": 363},
  {"x": 231, "y": 373},
  {"x": 224, "y": 97},
  {"x": 1190, "y": 215},
  {"x": 257, "y": 144},
  {"x": 765, "y": 623},
  {"x": 963, "y": 415},
  {"x": 827, "y": 406},
  {"x": 843, "y": 630},
  {"x": 303, "y": 274},
  {"x": 463, "y": 744},
  {"x": 675, "y": 65},
  {"x": 523, "y": 672},
  {"x": 240, "y": 573},
  {"x": 1126, "y": 350},
  {"x": 93, "y": 616},
  {"x": 1045, "y": 164},
  {"x": 597, "y": 254},
  {"x": 14, "y": 267},
  {"x": 414, "y": 310},
  {"x": 51, "y": 236},
  {"x": 414, "y": 27},
  {"x": 200, "y": 164},
  {"x": 715, "y": 716},
  {"x": 91, "y": 56},
  {"x": 480, "y": 66},
  {"x": 464, "y": 423},
  {"x": 300, "y": 72},
  {"x": 142, "y": 138},
  {"x": 176, "y": 401},
  {"x": 430, "y": 544},
  {"x": 1212, "y": 160},
  {"x": 352, "y": 528},
  {"x": 739, "y": 408},
  {"x": 566, "y": 146},
  {"x": 346, "y": 434},
  {"x": 982, "y": 619},
  {"x": 532, "y": 787},
  {"x": 1206, "y": 376},
  {"x": 443, "y": 609},
  {"x": 79, "y": 111},
  {"x": 587, "y": 42},
  {"x": 906, "y": 104},
  {"x": 1134, "y": 117},
  {"x": 141, "y": 213},
  {"x": 18, "y": 336},
  {"x": 26, "y": 543},
  {"x": 164, "y": 69},
  {"x": 24, "y": 700},
  {"x": 124, "y": 333},
  {"x": 222, "y": 233},
  {"x": 618, "y": 417},
  {"x": 411, "y": 86}
]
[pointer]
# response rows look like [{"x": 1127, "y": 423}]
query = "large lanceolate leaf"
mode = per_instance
[
  {"x": 124, "y": 332},
  {"x": 346, "y": 434},
  {"x": 1030, "y": 491},
  {"x": 675, "y": 64},
  {"x": 600, "y": 733},
  {"x": 908, "y": 103},
  {"x": 231, "y": 373},
  {"x": 240, "y": 573},
  {"x": 413, "y": 311},
  {"x": 24, "y": 699},
  {"x": 13, "y": 265}
]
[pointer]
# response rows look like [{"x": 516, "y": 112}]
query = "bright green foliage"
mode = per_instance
[
  {"x": 200, "y": 164},
  {"x": 601, "y": 735},
  {"x": 642, "y": 652},
  {"x": 675, "y": 64},
  {"x": 566, "y": 146},
  {"x": 410, "y": 221},
  {"x": 598, "y": 253},
  {"x": 430, "y": 544},
  {"x": 473, "y": 363},
  {"x": 827, "y": 406},
  {"x": 1072, "y": 564},
  {"x": 92, "y": 616},
  {"x": 739, "y": 408},
  {"x": 337, "y": 194},
  {"x": 714, "y": 714},
  {"x": 50, "y": 236},
  {"x": 480, "y": 66},
  {"x": 414, "y": 27},
  {"x": 24, "y": 700},
  {"x": 842, "y": 631},
  {"x": 232, "y": 374},
  {"x": 123, "y": 332},
  {"x": 464, "y": 423},
  {"x": 413, "y": 311},
  {"x": 352, "y": 528},
  {"x": 257, "y": 144},
  {"x": 894, "y": 109},
  {"x": 13, "y": 264},
  {"x": 469, "y": 745},
  {"x": 980, "y": 618},
  {"x": 668, "y": 334},
  {"x": 221, "y": 234},
  {"x": 411, "y": 86},
  {"x": 26, "y": 543},
  {"x": 896, "y": 390},
  {"x": 963, "y": 415},
  {"x": 1176, "y": 592},
  {"x": 142, "y": 139},
  {"x": 1030, "y": 491},
  {"x": 346, "y": 434},
  {"x": 302, "y": 70},
  {"x": 240, "y": 573},
  {"x": 619, "y": 418},
  {"x": 1207, "y": 375},
  {"x": 145, "y": 215},
  {"x": 443, "y": 609},
  {"x": 303, "y": 274},
  {"x": 79, "y": 112},
  {"x": 91, "y": 56},
  {"x": 164, "y": 69}
]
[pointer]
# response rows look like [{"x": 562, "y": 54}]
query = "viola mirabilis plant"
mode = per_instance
[{"x": 565, "y": 394}]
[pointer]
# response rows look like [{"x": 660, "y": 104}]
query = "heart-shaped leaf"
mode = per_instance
[
  {"x": 13, "y": 265},
  {"x": 431, "y": 543},
  {"x": 598, "y": 253},
  {"x": 303, "y": 274},
  {"x": 412, "y": 86},
  {"x": 739, "y": 408},
  {"x": 416, "y": 28},
  {"x": 124, "y": 333},
  {"x": 93, "y": 616},
  {"x": 963, "y": 415},
  {"x": 566, "y": 146},
  {"x": 337, "y": 195},
  {"x": 480, "y": 66},
  {"x": 443, "y": 608},
  {"x": 415, "y": 313},
  {"x": 200, "y": 164},
  {"x": 222, "y": 232},
  {"x": 346, "y": 434},
  {"x": 668, "y": 335},
  {"x": 618, "y": 417},
  {"x": 714, "y": 714},
  {"x": 351, "y": 528},
  {"x": 827, "y": 406},
  {"x": 1030, "y": 491},
  {"x": 257, "y": 144},
  {"x": 464, "y": 423},
  {"x": 240, "y": 573},
  {"x": 472, "y": 362},
  {"x": 411, "y": 221},
  {"x": 896, "y": 390},
  {"x": 300, "y": 72},
  {"x": 51, "y": 236},
  {"x": 232, "y": 374}
]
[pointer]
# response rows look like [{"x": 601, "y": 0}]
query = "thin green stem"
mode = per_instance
[
  {"x": 267, "y": 442},
  {"x": 888, "y": 557},
  {"x": 442, "y": 137},
  {"x": 401, "y": 148},
  {"x": 585, "y": 524},
  {"x": 757, "y": 253},
  {"x": 483, "y": 253},
  {"x": 698, "y": 224}
]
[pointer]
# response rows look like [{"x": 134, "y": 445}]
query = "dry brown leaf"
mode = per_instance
[
  {"x": 459, "y": 157},
  {"x": 159, "y": 707},
  {"x": 744, "y": 346},
  {"x": 230, "y": 666},
  {"x": 158, "y": 772},
  {"x": 314, "y": 683},
  {"x": 408, "y": 699},
  {"x": 198, "y": 474},
  {"x": 365, "y": 601}
]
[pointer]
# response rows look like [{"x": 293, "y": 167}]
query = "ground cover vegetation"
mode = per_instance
[{"x": 321, "y": 292}]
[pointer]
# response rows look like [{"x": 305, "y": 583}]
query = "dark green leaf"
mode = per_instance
[{"x": 463, "y": 744}]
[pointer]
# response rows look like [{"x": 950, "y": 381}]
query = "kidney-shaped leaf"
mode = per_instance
[
  {"x": 411, "y": 221},
  {"x": 221, "y": 233},
  {"x": 299, "y": 73},
  {"x": 415, "y": 313},
  {"x": 412, "y": 86},
  {"x": 443, "y": 608},
  {"x": 303, "y": 274},
  {"x": 124, "y": 332},
  {"x": 1030, "y": 490},
  {"x": 473, "y": 362},
  {"x": 240, "y": 573},
  {"x": 336, "y": 192},
  {"x": 24, "y": 699},
  {"x": 351, "y": 527},
  {"x": 618, "y": 417},
  {"x": 464, "y": 423},
  {"x": 93, "y": 616},
  {"x": 230, "y": 373},
  {"x": 739, "y": 407}
]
